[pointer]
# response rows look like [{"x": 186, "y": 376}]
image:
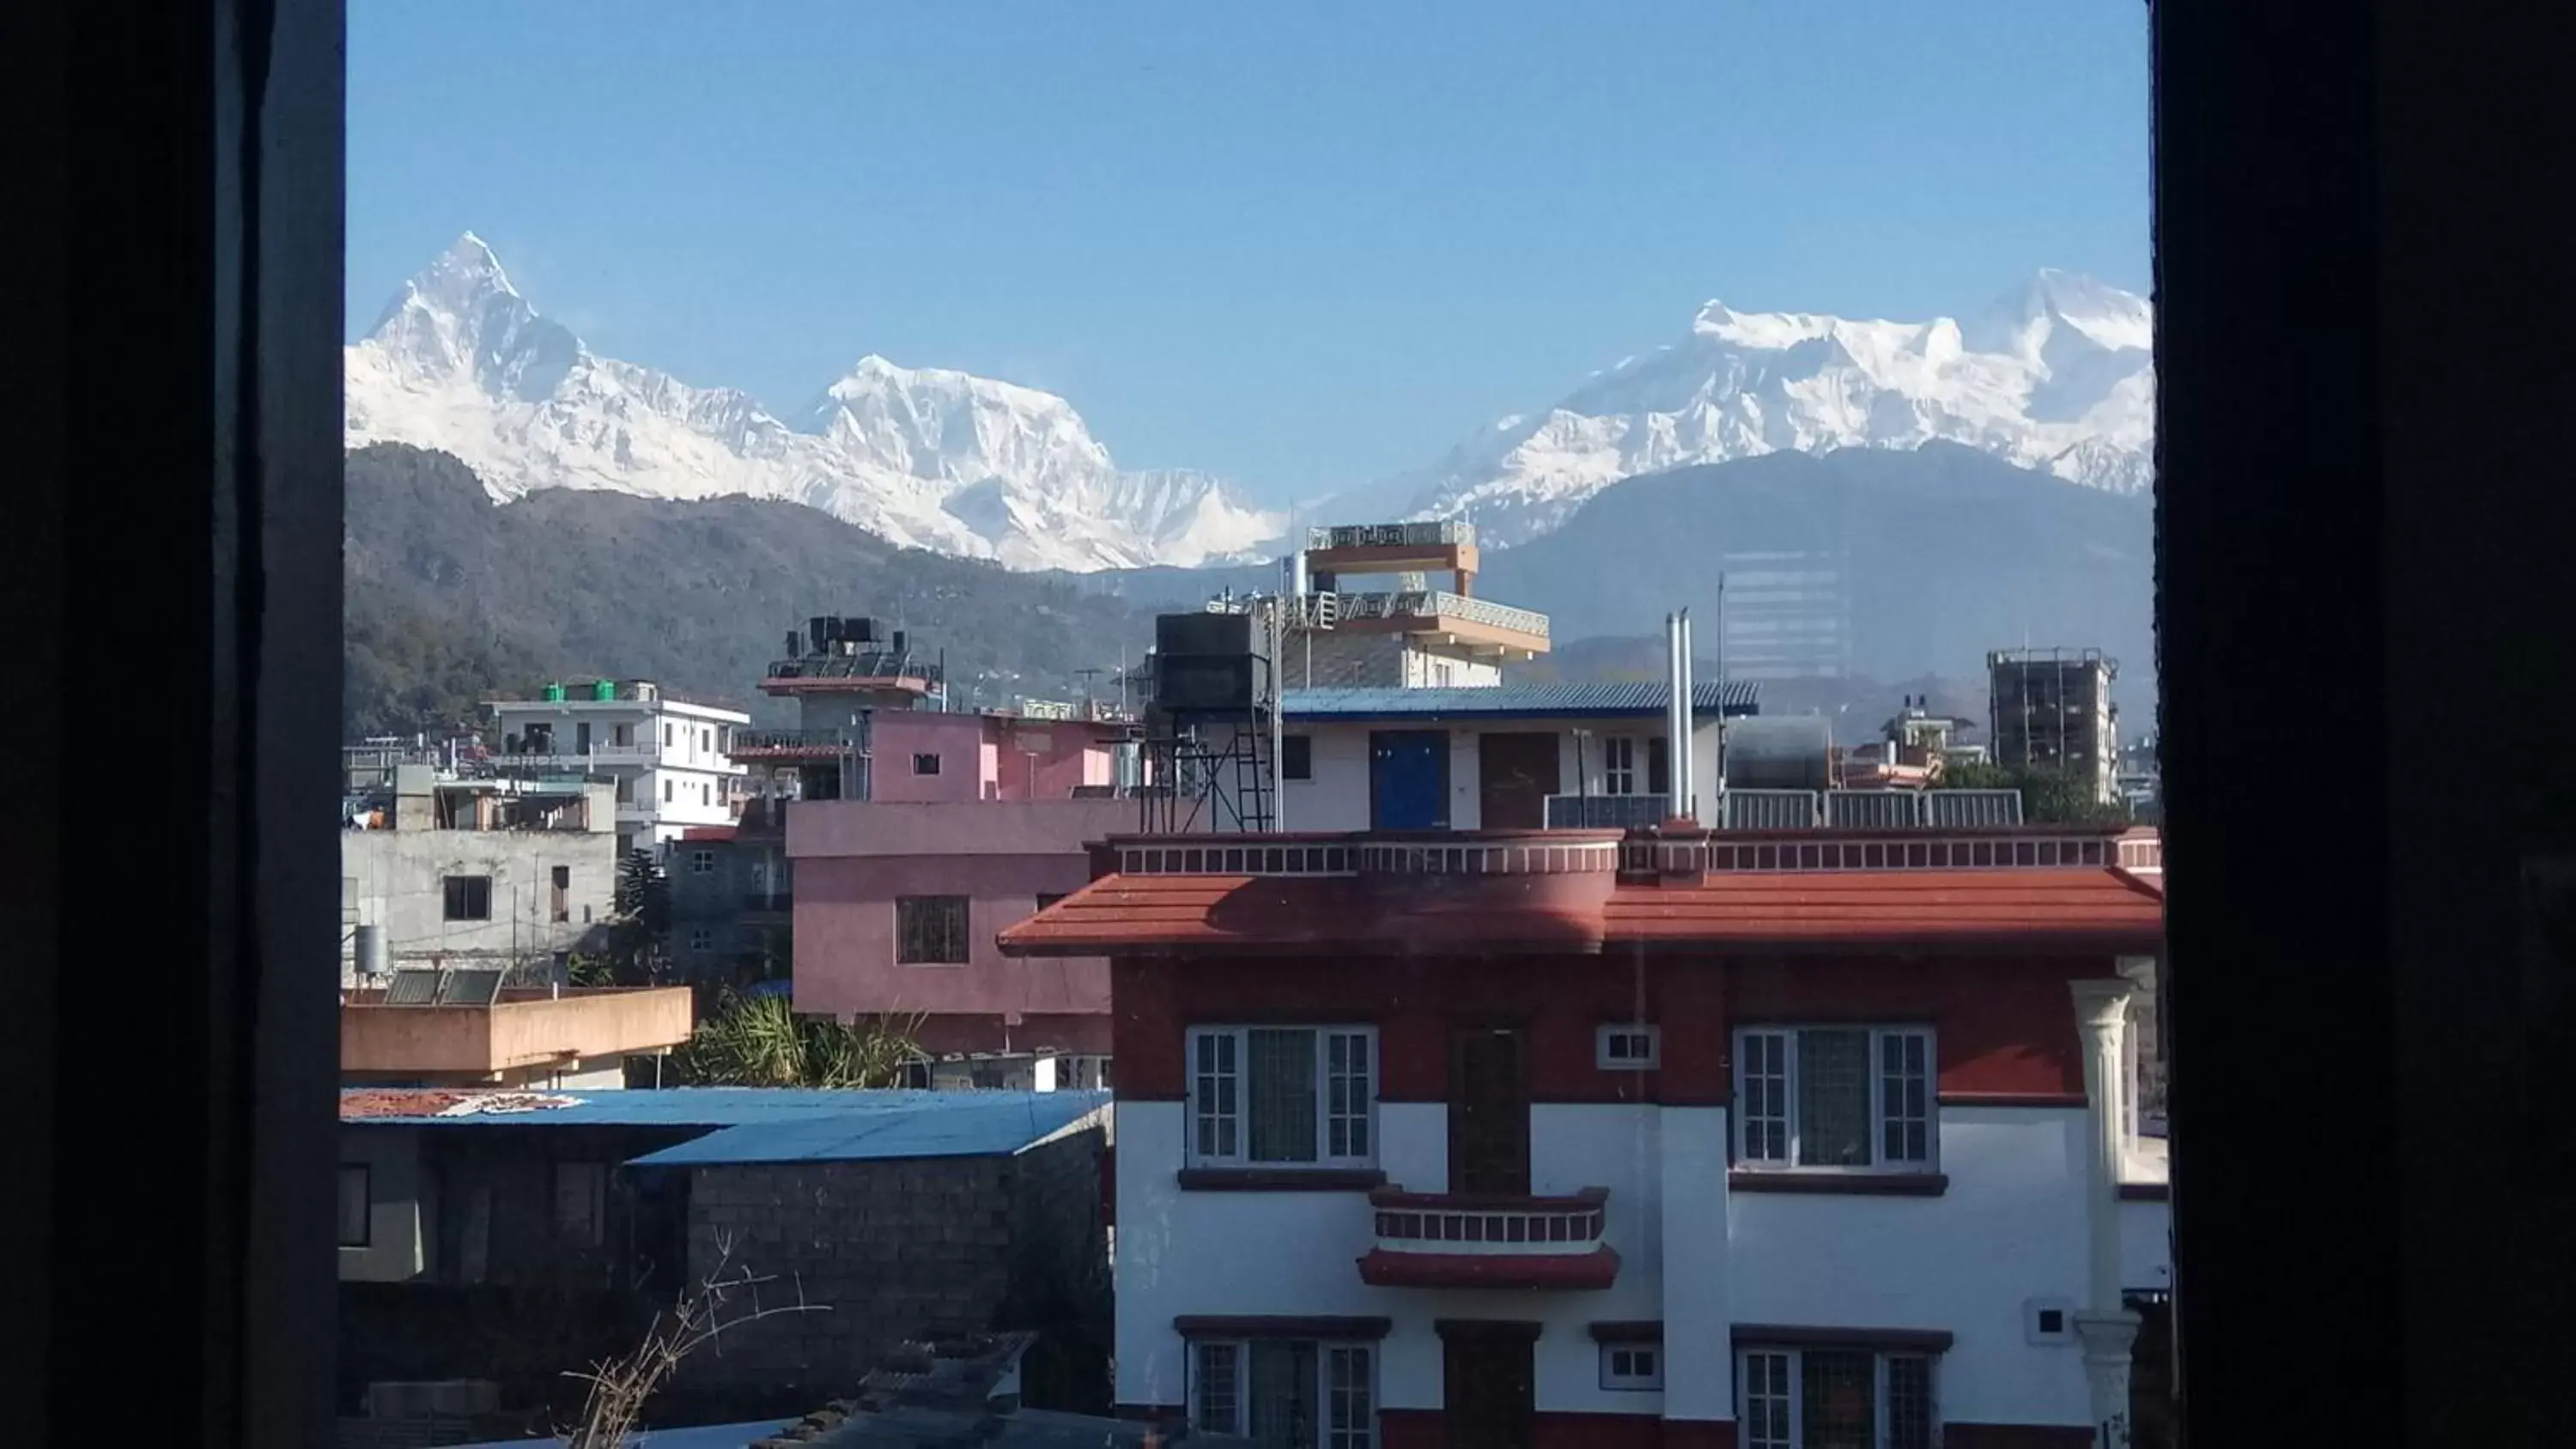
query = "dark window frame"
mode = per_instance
[
  {"x": 454, "y": 906},
  {"x": 925, "y": 762},
  {"x": 1297, "y": 757},
  {"x": 916, "y": 936}
]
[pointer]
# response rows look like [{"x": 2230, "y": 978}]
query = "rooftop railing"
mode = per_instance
[
  {"x": 1438, "y": 604},
  {"x": 1391, "y": 535}
]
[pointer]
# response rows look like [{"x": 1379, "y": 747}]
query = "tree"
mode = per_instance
[
  {"x": 760, "y": 1041},
  {"x": 2048, "y": 796},
  {"x": 639, "y": 932}
]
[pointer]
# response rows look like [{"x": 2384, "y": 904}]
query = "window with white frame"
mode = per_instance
[
  {"x": 702, "y": 938},
  {"x": 702, "y": 861},
  {"x": 1632, "y": 1365},
  {"x": 1289, "y": 1392},
  {"x": 1619, "y": 765},
  {"x": 1283, "y": 1096},
  {"x": 1834, "y": 1097},
  {"x": 1831, "y": 1398},
  {"x": 1627, "y": 1046}
]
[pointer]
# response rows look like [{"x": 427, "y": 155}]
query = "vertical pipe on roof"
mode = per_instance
[{"x": 1685, "y": 802}]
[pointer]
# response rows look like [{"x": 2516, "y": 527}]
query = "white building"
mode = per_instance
[
  {"x": 481, "y": 872},
  {"x": 1583, "y": 1140},
  {"x": 671, "y": 760},
  {"x": 1491, "y": 757}
]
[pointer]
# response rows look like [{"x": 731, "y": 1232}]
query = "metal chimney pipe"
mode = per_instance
[
  {"x": 1676, "y": 696},
  {"x": 1679, "y": 761}
]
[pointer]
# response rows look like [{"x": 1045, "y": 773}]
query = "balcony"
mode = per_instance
[
  {"x": 767, "y": 903},
  {"x": 1453, "y": 618},
  {"x": 856, "y": 671},
  {"x": 1469, "y": 1240},
  {"x": 823, "y": 744}
]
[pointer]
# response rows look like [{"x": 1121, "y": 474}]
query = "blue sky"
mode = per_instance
[{"x": 1304, "y": 245}]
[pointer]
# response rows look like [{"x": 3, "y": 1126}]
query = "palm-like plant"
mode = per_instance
[{"x": 761, "y": 1042}]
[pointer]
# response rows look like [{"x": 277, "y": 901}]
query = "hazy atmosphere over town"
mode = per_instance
[{"x": 1330, "y": 727}]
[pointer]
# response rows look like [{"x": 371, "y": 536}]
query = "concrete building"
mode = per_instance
[
  {"x": 1406, "y": 636},
  {"x": 554, "y": 1037},
  {"x": 1494, "y": 757},
  {"x": 505, "y": 1237},
  {"x": 1591, "y": 1138},
  {"x": 841, "y": 674},
  {"x": 2051, "y": 709},
  {"x": 474, "y": 872},
  {"x": 896, "y": 910},
  {"x": 668, "y": 759},
  {"x": 732, "y": 890}
]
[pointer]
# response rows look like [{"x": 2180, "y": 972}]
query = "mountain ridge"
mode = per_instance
[{"x": 461, "y": 362}]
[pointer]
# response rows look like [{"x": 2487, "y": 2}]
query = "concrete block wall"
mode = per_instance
[{"x": 888, "y": 1251}]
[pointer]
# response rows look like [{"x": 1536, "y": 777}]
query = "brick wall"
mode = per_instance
[
  {"x": 898, "y": 1250},
  {"x": 1060, "y": 1283},
  {"x": 1343, "y": 661}
]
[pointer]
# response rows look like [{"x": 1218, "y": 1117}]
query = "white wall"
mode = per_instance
[
  {"x": 2011, "y": 1227},
  {"x": 1337, "y": 797},
  {"x": 392, "y": 878},
  {"x": 397, "y": 1226},
  {"x": 1185, "y": 1252}
]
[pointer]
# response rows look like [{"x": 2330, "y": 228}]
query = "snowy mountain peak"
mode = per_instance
[
  {"x": 2058, "y": 377},
  {"x": 925, "y": 457}
]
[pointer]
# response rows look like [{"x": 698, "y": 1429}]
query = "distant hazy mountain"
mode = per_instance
[
  {"x": 934, "y": 459},
  {"x": 453, "y": 598},
  {"x": 1946, "y": 553},
  {"x": 2057, "y": 378}
]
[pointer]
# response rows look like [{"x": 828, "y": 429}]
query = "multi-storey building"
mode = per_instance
[
  {"x": 1500, "y": 1139},
  {"x": 669, "y": 759},
  {"x": 1409, "y": 636},
  {"x": 481, "y": 872},
  {"x": 2051, "y": 709}
]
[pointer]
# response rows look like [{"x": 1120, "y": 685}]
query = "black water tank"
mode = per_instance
[
  {"x": 1202, "y": 634},
  {"x": 817, "y": 629}
]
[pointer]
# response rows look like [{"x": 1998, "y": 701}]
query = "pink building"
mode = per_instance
[
  {"x": 898, "y": 902},
  {"x": 925, "y": 756}
]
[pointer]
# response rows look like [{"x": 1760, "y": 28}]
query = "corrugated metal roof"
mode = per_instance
[
  {"x": 758, "y": 1124},
  {"x": 933, "y": 1124},
  {"x": 1519, "y": 701},
  {"x": 702, "y": 1436}
]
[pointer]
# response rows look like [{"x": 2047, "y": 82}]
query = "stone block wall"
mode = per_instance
[{"x": 892, "y": 1251}]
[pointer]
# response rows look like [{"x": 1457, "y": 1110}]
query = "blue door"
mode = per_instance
[{"x": 1409, "y": 780}]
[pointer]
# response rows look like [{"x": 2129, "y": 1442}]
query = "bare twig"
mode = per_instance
[{"x": 620, "y": 1387}]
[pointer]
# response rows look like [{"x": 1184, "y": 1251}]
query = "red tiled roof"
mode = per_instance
[
  {"x": 1237, "y": 913},
  {"x": 2036, "y": 908},
  {"x": 397, "y": 1102},
  {"x": 2029, "y": 907}
]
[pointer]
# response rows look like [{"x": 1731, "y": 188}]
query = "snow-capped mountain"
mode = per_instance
[
  {"x": 2059, "y": 378},
  {"x": 941, "y": 460}
]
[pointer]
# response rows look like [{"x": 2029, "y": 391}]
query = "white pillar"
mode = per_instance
[{"x": 2106, "y": 1327}]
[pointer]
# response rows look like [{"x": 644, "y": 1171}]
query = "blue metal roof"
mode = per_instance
[
  {"x": 1643, "y": 698},
  {"x": 931, "y": 1124},
  {"x": 769, "y": 1124}
]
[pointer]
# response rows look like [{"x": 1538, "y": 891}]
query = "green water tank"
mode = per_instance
[
  {"x": 603, "y": 689},
  {"x": 554, "y": 694}
]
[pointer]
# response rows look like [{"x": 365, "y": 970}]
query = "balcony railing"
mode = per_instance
[
  {"x": 1438, "y": 604},
  {"x": 768, "y": 901},
  {"x": 838, "y": 740},
  {"x": 1607, "y": 812},
  {"x": 560, "y": 750},
  {"x": 1465, "y": 1240},
  {"x": 1391, "y": 535},
  {"x": 865, "y": 664}
]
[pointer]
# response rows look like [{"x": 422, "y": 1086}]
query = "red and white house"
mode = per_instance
[{"x": 1553, "y": 1138}]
